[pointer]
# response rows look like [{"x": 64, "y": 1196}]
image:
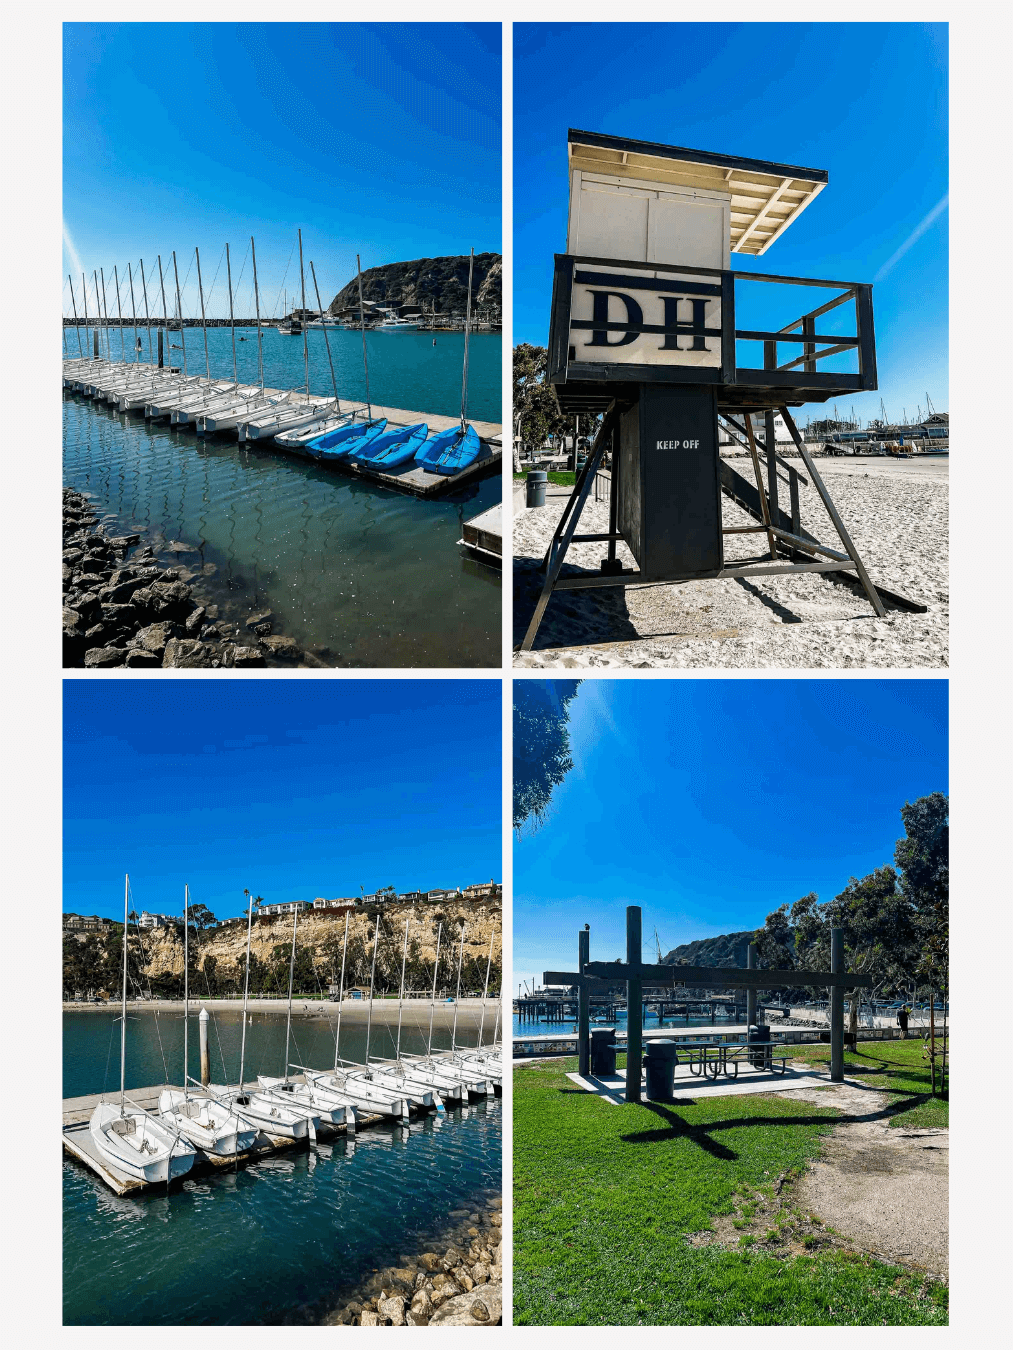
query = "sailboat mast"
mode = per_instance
[
  {"x": 467, "y": 333},
  {"x": 123, "y": 1011},
  {"x": 327, "y": 344},
  {"x": 84, "y": 301},
  {"x": 488, "y": 967},
  {"x": 133, "y": 312},
  {"x": 372, "y": 978},
  {"x": 119, "y": 316},
  {"x": 203, "y": 317},
  {"x": 341, "y": 995},
  {"x": 246, "y": 994},
  {"x": 179, "y": 308},
  {"x": 305, "y": 342},
  {"x": 400, "y": 997},
  {"x": 186, "y": 987},
  {"x": 432, "y": 1009},
  {"x": 291, "y": 973},
  {"x": 74, "y": 303},
  {"x": 495, "y": 1030},
  {"x": 105, "y": 313},
  {"x": 362, "y": 325},
  {"x": 457, "y": 999},
  {"x": 147, "y": 316},
  {"x": 232, "y": 317},
  {"x": 256, "y": 298}
]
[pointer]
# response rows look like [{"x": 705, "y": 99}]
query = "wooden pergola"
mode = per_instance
[{"x": 636, "y": 973}]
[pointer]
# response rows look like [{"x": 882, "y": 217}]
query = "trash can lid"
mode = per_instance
[
  {"x": 661, "y": 1049},
  {"x": 537, "y": 476}
]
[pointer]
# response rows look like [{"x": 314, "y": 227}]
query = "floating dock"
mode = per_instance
[
  {"x": 410, "y": 478},
  {"x": 77, "y": 1140},
  {"x": 483, "y": 535}
]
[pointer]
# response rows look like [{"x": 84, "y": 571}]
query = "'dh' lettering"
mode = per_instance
[
  {"x": 600, "y": 314},
  {"x": 671, "y": 342}
]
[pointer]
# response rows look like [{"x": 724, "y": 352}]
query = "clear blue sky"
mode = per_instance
[
  {"x": 293, "y": 788},
  {"x": 711, "y": 802},
  {"x": 381, "y": 139},
  {"x": 865, "y": 102}
]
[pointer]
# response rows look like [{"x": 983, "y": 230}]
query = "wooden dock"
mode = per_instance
[
  {"x": 483, "y": 535},
  {"x": 409, "y": 477},
  {"x": 77, "y": 1140}
]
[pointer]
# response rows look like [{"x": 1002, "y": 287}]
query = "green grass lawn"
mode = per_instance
[
  {"x": 606, "y": 1196},
  {"x": 898, "y": 1068},
  {"x": 562, "y": 479}
]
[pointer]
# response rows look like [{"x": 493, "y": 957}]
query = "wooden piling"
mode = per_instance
[
  {"x": 584, "y": 1002},
  {"x": 634, "y": 1004},
  {"x": 836, "y": 1007}
]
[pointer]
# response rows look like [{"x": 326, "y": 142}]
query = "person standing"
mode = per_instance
[{"x": 902, "y": 1021}]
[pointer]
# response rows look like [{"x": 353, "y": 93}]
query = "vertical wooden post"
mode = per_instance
[
  {"x": 932, "y": 1039},
  {"x": 205, "y": 1058},
  {"x": 584, "y": 1002},
  {"x": 770, "y": 438},
  {"x": 751, "y": 993},
  {"x": 609, "y": 564},
  {"x": 836, "y": 1007},
  {"x": 161, "y": 352},
  {"x": 634, "y": 1005},
  {"x": 94, "y": 335}
]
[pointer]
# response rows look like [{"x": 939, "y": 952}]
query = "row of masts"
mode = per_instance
[{"x": 99, "y": 282}]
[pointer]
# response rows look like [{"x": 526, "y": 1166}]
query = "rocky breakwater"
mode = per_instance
[
  {"x": 139, "y": 613},
  {"x": 459, "y": 1285}
]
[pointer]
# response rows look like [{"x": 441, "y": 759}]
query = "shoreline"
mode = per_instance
[{"x": 356, "y": 1010}]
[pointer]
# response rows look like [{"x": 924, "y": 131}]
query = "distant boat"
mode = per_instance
[
  {"x": 396, "y": 325},
  {"x": 396, "y": 447},
  {"x": 450, "y": 451},
  {"x": 337, "y": 444}
]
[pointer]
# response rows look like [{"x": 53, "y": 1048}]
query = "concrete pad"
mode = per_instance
[{"x": 689, "y": 1085}]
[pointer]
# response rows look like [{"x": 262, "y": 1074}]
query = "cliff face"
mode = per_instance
[
  {"x": 727, "y": 950},
  {"x": 440, "y": 283},
  {"x": 323, "y": 932}
]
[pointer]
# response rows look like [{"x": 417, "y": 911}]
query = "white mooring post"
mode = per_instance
[{"x": 205, "y": 1058}]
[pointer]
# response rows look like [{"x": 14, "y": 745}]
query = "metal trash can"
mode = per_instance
[
  {"x": 603, "y": 1051},
  {"x": 759, "y": 1059},
  {"x": 660, "y": 1059},
  {"x": 535, "y": 487}
]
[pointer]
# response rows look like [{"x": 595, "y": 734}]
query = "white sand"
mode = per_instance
[{"x": 897, "y": 515}]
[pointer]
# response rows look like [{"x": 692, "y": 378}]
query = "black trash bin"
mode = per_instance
[
  {"x": 535, "y": 487},
  {"x": 660, "y": 1059},
  {"x": 759, "y": 1059},
  {"x": 603, "y": 1051}
]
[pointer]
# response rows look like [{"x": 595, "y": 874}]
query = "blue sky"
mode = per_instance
[
  {"x": 381, "y": 139},
  {"x": 293, "y": 788},
  {"x": 711, "y": 802},
  {"x": 866, "y": 102}
]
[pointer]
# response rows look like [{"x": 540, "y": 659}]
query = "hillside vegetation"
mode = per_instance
[{"x": 439, "y": 284}]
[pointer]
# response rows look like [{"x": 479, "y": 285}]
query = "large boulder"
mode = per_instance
[
  {"x": 154, "y": 638},
  {"x": 186, "y": 654},
  {"x": 100, "y": 657},
  {"x": 483, "y": 1307}
]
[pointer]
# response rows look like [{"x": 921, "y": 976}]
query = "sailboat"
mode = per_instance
[
  {"x": 393, "y": 448},
  {"x": 451, "y": 451},
  {"x": 205, "y": 1122},
  {"x": 302, "y": 1097},
  {"x": 129, "y": 1138},
  {"x": 338, "y": 444}
]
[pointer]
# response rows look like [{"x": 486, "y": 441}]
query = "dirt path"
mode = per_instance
[{"x": 884, "y": 1188}]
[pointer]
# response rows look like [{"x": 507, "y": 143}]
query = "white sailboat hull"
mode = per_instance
[
  {"x": 259, "y": 1111},
  {"x": 138, "y": 1144},
  {"x": 207, "y": 1124},
  {"x": 324, "y": 1105}
]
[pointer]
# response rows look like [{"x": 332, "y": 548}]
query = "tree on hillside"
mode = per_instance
[{"x": 541, "y": 745}]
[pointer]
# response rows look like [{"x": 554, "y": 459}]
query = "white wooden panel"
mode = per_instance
[
  {"x": 690, "y": 232},
  {"x": 646, "y": 348},
  {"x": 612, "y": 223}
]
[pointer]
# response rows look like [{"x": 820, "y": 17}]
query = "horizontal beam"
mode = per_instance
[
  {"x": 749, "y": 335},
  {"x": 724, "y": 977},
  {"x": 729, "y": 573},
  {"x": 569, "y": 977},
  {"x": 815, "y": 356}
]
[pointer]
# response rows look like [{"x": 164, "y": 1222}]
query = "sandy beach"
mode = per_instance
[{"x": 897, "y": 514}]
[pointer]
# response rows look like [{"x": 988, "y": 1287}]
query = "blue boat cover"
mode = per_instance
[
  {"x": 451, "y": 451},
  {"x": 394, "y": 448},
  {"x": 335, "y": 444}
]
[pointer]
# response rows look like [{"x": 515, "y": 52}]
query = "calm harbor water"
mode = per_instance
[
  {"x": 542, "y": 1028},
  {"x": 358, "y": 575},
  {"x": 279, "y": 1241}
]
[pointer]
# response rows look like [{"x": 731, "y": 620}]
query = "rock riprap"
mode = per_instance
[
  {"x": 122, "y": 608},
  {"x": 458, "y": 1284}
]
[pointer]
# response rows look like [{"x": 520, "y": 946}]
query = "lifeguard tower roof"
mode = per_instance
[{"x": 765, "y": 197}]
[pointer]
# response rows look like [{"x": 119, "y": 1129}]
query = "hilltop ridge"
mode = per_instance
[{"x": 439, "y": 284}]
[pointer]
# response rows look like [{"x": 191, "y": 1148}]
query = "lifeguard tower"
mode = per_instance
[{"x": 643, "y": 329}]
